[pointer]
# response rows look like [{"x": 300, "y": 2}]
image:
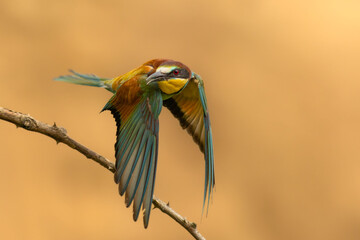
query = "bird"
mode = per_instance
[{"x": 137, "y": 100}]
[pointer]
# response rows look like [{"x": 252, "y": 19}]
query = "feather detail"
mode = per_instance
[
  {"x": 190, "y": 108},
  {"x": 86, "y": 79},
  {"x": 136, "y": 146}
]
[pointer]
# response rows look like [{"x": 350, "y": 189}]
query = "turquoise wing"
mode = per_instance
[
  {"x": 190, "y": 108},
  {"x": 136, "y": 147}
]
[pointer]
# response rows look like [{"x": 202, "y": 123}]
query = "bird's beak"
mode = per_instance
[{"x": 155, "y": 77}]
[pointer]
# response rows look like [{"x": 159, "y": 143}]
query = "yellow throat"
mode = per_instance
[{"x": 172, "y": 85}]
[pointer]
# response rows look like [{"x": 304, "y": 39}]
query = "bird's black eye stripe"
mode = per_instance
[{"x": 183, "y": 73}]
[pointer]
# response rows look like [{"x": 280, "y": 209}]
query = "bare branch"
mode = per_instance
[
  {"x": 189, "y": 226},
  {"x": 59, "y": 134}
]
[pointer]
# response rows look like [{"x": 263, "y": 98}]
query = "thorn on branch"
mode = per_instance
[
  {"x": 60, "y": 129},
  {"x": 193, "y": 225}
]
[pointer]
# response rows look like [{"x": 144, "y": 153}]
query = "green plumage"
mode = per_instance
[
  {"x": 87, "y": 80},
  {"x": 136, "y": 104}
]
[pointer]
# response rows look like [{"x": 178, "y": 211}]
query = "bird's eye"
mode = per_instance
[{"x": 176, "y": 72}]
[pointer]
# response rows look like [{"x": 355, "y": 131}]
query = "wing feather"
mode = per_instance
[
  {"x": 136, "y": 147},
  {"x": 190, "y": 108}
]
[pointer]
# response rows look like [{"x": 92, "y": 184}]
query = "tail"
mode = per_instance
[{"x": 86, "y": 79}]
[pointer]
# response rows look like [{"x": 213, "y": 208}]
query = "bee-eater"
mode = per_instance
[{"x": 136, "y": 104}]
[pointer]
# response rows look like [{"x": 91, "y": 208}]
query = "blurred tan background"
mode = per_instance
[{"x": 282, "y": 81}]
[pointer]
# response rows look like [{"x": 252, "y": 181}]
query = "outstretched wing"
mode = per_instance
[
  {"x": 136, "y": 147},
  {"x": 189, "y": 106}
]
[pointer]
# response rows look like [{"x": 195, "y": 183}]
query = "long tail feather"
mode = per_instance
[{"x": 85, "y": 79}]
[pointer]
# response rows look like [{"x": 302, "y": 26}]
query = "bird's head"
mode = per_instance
[{"x": 170, "y": 76}]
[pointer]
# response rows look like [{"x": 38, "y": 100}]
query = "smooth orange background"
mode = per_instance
[{"x": 283, "y": 87}]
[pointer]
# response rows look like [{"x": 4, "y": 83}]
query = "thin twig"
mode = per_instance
[
  {"x": 189, "y": 226},
  {"x": 59, "y": 134}
]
